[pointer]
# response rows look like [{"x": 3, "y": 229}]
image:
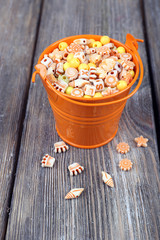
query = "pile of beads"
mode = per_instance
[{"x": 88, "y": 68}]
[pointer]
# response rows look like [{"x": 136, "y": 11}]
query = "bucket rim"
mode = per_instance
[{"x": 98, "y": 99}]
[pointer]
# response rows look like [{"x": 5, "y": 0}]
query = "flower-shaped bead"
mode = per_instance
[
  {"x": 125, "y": 164},
  {"x": 123, "y": 147}
]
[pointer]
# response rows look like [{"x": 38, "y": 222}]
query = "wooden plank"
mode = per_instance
[
  {"x": 130, "y": 210},
  {"x": 152, "y": 20},
  {"x": 18, "y": 22}
]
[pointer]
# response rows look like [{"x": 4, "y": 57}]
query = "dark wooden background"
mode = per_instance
[{"x": 32, "y": 205}]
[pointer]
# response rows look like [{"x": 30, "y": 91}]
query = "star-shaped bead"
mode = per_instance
[{"x": 141, "y": 141}]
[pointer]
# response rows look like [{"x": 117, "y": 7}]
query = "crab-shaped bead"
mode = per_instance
[
  {"x": 60, "y": 147},
  {"x": 47, "y": 161},
  {"x": 75, "y": 168}
]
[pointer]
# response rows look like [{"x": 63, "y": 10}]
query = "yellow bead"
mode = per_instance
[
  {"x": 132, "y": 73},
  {"x": 83, "y": 66},
  {"x": 70, "y": 56},
  {"x": 121, "y": 50},
  {"x": 74, "y": 62},
  {"x": 91, "y": 44},
  {"x": 97, "y": 44},
  {"x": 98, "y": 94},
  {"x": 104, "y": 40},
  {"x": 62, "y": 46},
  {"x": 66, "y": 65},
  {"x": 87, "y": 96},
  {"x": 91, "y": 65},
  {"x": 121, "y": 85},
  {"x": 119, "y": 60},
  {"x": 69, "y": 90},
  {"x": 64, "y": 78}
]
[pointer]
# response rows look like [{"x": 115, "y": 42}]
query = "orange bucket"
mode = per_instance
[{"x": 90, "y": 123}]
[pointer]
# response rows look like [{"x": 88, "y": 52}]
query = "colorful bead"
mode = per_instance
[
  {"x": 80, "y": 56},
  {"x": 62, "y": 46},
  {"x": 74, "y": 193},
  {"x": 121, "y": 50},
  {"x": 125, "y": 164},
  {"x": 141, "y": 141},
  {"x": 113, "y": 73},
  {"x": 50, "y": 73},
  {"x": 60, "y": 85},
  {"x": 64, "y": 78},
  {"x": 101, "y": 72},
  {"x": 104, "y": 40},
  {"x": 111, "y": 81},
  {"x": 89, "y": 90},
  {"x": 98, "y": 95},
  {"x": 59, "y": 69},
  {"x": 123, "y": 147},
  {"x": 95, "y": 58},
  {"x": 107, "y": 179},
  {"x": 48, "y": 161},
  {"x": 75, "y": 168},
  {"x": 82, "y": 41},
  {"x": 108, "y": 64},
  {"x": 99, "y": 84},
  {"x": 71, "y": 73},
  {"x": 91, "y": 51},
  {"x": 103, "y": 51},
  {"x": 118, "y": 67},
  {"x": 73, "y": 48},
  {"x": 74, "y": 62},
  {"x": 121, "y": 85},
  {"x": 60, "y": 147},
  {"x": 83, "y": 66},
  {"x": 87, "y": 96},
  {"x": 132, "y": 73},
  {"x": 92, "y": 73},
  {"x": 91, "y": 43},
  {"x": 70, "y": 56},
  {"x": 107, "y": 92},
  {"x": 91, "y": 65},
  {"x": 83, "y": 74},
  {"x": 78, "y": 83},
  {"x": 77, "y": 92},
  {"x": 66, "y": 65},
  {"x": 69, "y": 90},
  {"x": 97, "y": 44},
  {"x": 46, "y": 61},
  {"x": 127, "y": 78},
  {"x": 126, "y": 56}
]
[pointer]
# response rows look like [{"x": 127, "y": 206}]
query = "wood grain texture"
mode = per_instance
[
  {"x": 128, "y": 211},
  {"x": 152, "y": 20},
  {"x": 18, "y": 21}
]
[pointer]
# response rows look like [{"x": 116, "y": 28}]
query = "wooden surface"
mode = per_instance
[
  {"x": 38, "y": 209},
  {"x": 18, "y": 23},
  {"x": 152, "y": 20}
]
